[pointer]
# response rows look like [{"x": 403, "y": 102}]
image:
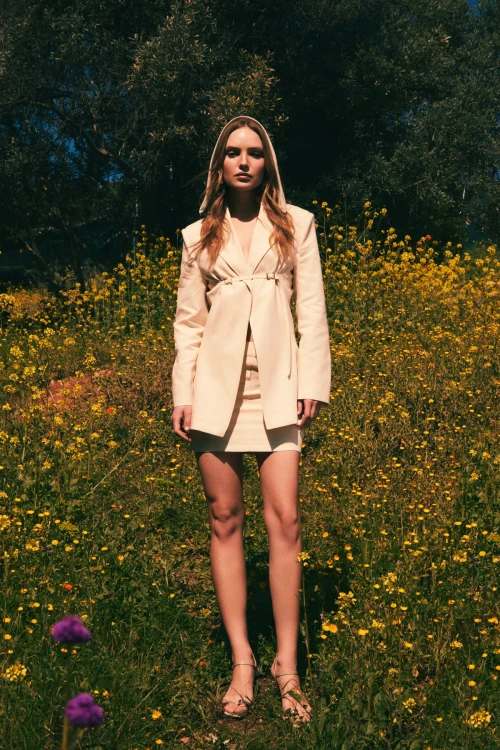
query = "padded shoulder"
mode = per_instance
[
  {"x": 191, "y": 233},
  {"x": 302, "y": 215}
]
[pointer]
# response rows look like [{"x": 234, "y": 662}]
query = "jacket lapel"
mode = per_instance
[{"x": 232, "y": 253}]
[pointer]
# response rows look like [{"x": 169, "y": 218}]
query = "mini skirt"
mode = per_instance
[{"x": 246, "y": 431}]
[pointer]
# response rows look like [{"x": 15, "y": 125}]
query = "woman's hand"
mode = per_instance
[
  {"x": 308, "y": 409},
  {"x": 182, "y": 413}
]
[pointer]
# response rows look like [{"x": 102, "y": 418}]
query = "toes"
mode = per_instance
[
  {"x": 296, "y": 715},
  {"x": 238, "y": 706},
  {"x": 233, "y": 713}
]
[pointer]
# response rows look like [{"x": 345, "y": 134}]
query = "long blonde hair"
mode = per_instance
[{"x": 214, "y": 230}]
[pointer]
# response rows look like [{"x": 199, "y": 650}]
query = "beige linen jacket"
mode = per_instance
[{"x": 216, "y": 303}]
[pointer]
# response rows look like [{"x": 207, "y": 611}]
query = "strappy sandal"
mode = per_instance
[
  {"x": 242, "y": 701},
  {"x": 291, "y": 713}
]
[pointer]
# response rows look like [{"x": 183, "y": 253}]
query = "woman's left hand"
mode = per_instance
[{"x": 308, "y": 409}]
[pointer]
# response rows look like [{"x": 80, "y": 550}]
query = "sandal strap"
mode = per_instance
[
  {"x": 285, "y": 694},
  {"x": 237, "y": 703},
  {"x": 246, "y": 663}
]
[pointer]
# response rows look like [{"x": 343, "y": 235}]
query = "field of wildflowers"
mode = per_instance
[{"x": 102, "y": 514}]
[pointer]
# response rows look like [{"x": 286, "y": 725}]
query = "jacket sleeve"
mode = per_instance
[
  {"x": 190, "y": 318},
  {"x": 314, "y": 355}
]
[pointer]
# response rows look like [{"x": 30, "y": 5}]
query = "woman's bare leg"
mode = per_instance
[
  {"x": 279, "y": 480},
  {"x": 222, "y": 477}
]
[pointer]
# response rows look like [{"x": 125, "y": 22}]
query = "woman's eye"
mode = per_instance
[{"x": 255, "y": 154}]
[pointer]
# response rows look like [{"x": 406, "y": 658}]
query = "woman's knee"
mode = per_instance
[
  {"x": 222, "y": 476},
  {"x": 226, "y": 517},
  {"x": 283, "y": 521}
]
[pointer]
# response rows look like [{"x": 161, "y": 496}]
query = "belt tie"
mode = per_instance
[{"x": 276, "y": 278}]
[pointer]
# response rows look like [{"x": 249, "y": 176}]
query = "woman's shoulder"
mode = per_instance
[
  {"x": 302, "y": 220},
  {"x": 302, "y": 214},
  {"x": 191, "y": 233}
]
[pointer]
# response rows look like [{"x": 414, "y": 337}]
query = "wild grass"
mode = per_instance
[{"x": 102, "y": 512}]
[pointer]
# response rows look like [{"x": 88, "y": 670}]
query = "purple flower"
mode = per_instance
[
  {"x": 83, "y": 711},
  {"x": 70, "y": 630}
]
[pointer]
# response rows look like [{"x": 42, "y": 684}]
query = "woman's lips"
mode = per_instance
[{"x": 243, "y": 176}]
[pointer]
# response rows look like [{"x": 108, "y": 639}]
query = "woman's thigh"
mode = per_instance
[
  {"x": 279, "y": 482},
  {"x": 222, "y": 477}
]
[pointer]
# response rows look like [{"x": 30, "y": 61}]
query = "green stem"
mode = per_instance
[
  {"x": 65, "y": 733},
  {"x": 306, "y": 636},
  {"x": 69, "y": 666}
]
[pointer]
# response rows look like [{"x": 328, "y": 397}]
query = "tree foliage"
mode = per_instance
[{"x": 113, "y": 109}]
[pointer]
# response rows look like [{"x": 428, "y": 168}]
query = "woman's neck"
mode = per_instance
[{"x": 243, "y": 206}]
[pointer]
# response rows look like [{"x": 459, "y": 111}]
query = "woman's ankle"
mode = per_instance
[
  {"x": 288, "y": 661},
  {"x": 242, "y": 653}
]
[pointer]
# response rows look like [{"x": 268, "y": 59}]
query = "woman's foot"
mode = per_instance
[
  {"x": 239, "y": 694},
  {"x": 296, "y": 708}
]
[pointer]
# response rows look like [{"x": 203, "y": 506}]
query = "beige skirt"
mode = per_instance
[{"x": 246, "y": 431}]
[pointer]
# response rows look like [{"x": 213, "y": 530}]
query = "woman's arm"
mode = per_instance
[
  {"x": 190, "y": 318},
  {"x": 314, "y": 356}
]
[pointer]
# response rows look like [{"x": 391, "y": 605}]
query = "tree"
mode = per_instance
[{"x": 113, "y": 109}]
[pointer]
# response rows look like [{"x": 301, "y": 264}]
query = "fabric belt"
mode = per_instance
[{"x": 283, "y": 303}]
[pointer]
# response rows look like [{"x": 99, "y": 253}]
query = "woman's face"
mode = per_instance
[{"x": 244, "y": 155}]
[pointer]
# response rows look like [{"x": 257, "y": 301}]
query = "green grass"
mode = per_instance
[{"x": 102, "y": 513}]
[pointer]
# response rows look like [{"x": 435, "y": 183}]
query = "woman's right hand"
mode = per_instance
[{"x": 182, "y": 413}]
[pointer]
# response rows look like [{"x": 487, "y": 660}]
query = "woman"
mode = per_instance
[{"x": 239, "y": 381}]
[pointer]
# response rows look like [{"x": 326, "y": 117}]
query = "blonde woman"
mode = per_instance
[{"x": 241, "y": 384}]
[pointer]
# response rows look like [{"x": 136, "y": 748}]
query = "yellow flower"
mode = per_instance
[
  {"x": 479, "y": 719},
  {"x": 409, "y": 704},
  {"x": 15, "y": 673},
  {"x": 362, "y": 631},
  {"x": 4, "y": 522},
  {"x": 330, "y": 627},
  {"x": 408, "y": 645}
]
